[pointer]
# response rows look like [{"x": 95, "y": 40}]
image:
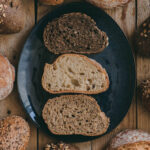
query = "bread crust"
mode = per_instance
[
  {"x": 129, "y": 138},
  {"x": 7, "y": 77},
  {"x": 12, "y": 16},
  {"x": 98, "y": 66},
  {"x": 51, "y": 2},
  {"x": 96, "y": 105},
  {"x": 10, "y": 128},
  {"x": 109, "y": 4}
]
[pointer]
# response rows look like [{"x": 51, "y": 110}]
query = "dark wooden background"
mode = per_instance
[{"x": 129, "y": 18}]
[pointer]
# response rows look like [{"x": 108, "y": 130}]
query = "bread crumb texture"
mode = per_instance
[
  {"x": 75, "y": 114},
  {"x": 74, "y": 73}
]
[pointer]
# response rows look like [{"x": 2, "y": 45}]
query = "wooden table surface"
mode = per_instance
[{"x": 129, "y": 18}]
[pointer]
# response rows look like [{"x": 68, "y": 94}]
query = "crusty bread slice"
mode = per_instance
[
  {"x": 74, "y": 33},
  {"x": 72, "y": 73},
  {"x": 75, "y": 114}
]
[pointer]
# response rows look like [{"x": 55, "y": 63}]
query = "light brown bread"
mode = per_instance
[
  {"x": 130, "y": 140},
  {"x": 12, "y": 16},
  {"x": 14, "y": 133},
  {"x": 108, "y": 4},
  {"x": 75, "y": 114},
  {"x": 72, "y": 73},
  {"x": 51, "y": 2},
  {"x": 7, "y": 77}
]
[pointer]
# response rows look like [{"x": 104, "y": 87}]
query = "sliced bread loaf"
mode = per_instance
[
  {"x": 72, "y": 73},
  {"x": 75, "y": 114},
  {"x": 74, "y": 33}
]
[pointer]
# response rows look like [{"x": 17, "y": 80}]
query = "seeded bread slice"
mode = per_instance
[
  {"x": 75, "y": 114},
  {"x": 74, "y": 33},
  {"x": 72, "y": 73}
]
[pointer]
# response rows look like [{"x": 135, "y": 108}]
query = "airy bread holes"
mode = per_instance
[
  {"x": 82, "y": 74},
  {"x": 75, "y": 82},
  {"x": 70, "y": 70}
]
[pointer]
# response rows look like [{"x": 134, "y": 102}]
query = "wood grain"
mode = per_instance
[
  {"x": 11, "y": 46},
  {"x": 125, "y": 17},
  {"x": 143, "y": 67}
]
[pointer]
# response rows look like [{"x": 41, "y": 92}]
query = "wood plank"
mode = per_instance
[
  {"x": 10, "y": 46},
  {"x": 143, "y": 66},
  {"x": 125, "y": 17}
]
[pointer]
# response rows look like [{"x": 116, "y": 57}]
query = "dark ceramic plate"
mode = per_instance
[{"x": 117, "y": 58}]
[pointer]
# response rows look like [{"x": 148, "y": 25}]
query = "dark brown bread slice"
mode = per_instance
[
  {"x": 60, "y": 146},
  {"x": 144, "y": 91},
  {"x": 14, "y": 133},
  {"x": 75, "y": 114},
  {"x": 143, "y": 39},
  {"x": 74, "y": 33}
]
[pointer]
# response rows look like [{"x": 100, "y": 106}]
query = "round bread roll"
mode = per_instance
[
  {"x": 51, "y": 2},
  {"x": 12, "y": 16},
  {"x": 143, "y": 39},
  {"x": 7, "y": 77},
  {"x": 108, "y": 4},
  {"x": 144, "y": 90},
  {"x": 130, "y": 140},
  {"x": 14, "y": 133},
  {"x": 60, "y": 146}
]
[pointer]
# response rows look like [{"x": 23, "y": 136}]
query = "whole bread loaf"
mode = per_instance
[
  {"x": 14, "y": 133},
  {"x": 72, "y": 73},
  {"x": 143, "y": 39},
  {"x": 75, "y": 114},
  {"x": 144, "y": 93},
  {"x": 74, "y": 33},
  {"x": 108, "y": 4},
  {"x": 60, "y": 146},
  {"x": 51, "y": 2},
  {"x": 12, "y": 16},
  {"x": 7, "y": 77},
  {"x": 130, "y": 140}
]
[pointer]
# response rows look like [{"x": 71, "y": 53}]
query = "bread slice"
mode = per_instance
[
  {"x": 108, "y": 4},
  {"x": 130, "y": 140},
  {"x": 74, "y": 33},
  {"x": 14, "y": 133},
  {"x": 75, "y": 114},
  {"x": 72, "y": 73}
]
